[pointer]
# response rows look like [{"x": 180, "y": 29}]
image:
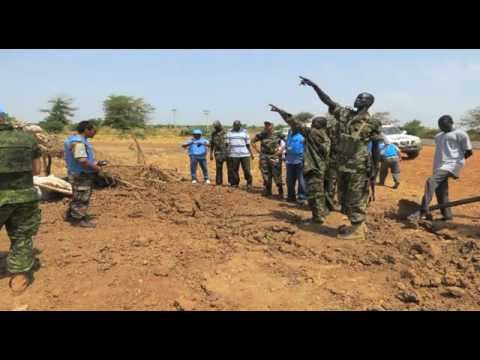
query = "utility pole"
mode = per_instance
[
  {"x": 174, "y": 111},
  {"x": 206, "y": 113}
]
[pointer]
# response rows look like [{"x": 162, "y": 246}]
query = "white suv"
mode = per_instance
[{"x": 408, "y": 144}]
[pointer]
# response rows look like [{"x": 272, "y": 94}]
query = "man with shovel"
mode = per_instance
[{"x": 453, "y": 146}]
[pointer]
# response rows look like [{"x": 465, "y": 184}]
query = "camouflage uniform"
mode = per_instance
[
  {"x": 219, "y": 148},
  {"x": 354, "y": 161},
  {"x": 331, "y": 174},
  {"x": 19, "y": 210},
  {"x": 82, "y": 192},
  {"x": 317, "y": 151},
  {"x": 270, "y": 163}
]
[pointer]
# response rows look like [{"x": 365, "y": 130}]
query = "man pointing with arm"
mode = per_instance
[{"x": 356, "y": 167}]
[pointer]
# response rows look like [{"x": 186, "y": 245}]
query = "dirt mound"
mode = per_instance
[{"x": 139, "y": 176}]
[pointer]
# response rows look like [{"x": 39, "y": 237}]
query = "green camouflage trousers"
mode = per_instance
[
  {"x": 82, "y": 191},
  {"x": 331, "y": 179},
  {"x": 353, "y": 195},
  {"x": 21, "y": 222},
  {"x": 271, "y": 167},
  {"x": 315, "y": 184}
]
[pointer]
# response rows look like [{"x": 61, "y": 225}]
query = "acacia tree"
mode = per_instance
[
  {"x": 471, "y": 119},
  {"x": 59, "y": 114},
  {"x": 385, "y": 118},
  {"x": 126, "y": 113}
]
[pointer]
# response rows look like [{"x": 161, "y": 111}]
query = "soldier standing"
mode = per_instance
[
  {"x": 331, "y": 175},
  {"x": 219, "y": 149},
  {"x": 317, "y": 149},
  {"x": 270, "y": 158},
  {"x": 20, "y": 160},
  {"x": 356, "y": 166},
  {"x": 82, "y": 168}
]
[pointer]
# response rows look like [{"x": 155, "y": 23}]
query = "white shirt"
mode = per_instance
[
  {"x": 237, "y": 142},
  {"x": 450, "y": 150}
]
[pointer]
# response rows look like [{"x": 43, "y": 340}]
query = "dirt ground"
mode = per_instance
[{"x": 178, "y": 246}]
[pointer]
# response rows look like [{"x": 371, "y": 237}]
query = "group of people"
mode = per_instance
[
  {"x": 333, "y": 161},
  {"x": 234, "y": 149}
]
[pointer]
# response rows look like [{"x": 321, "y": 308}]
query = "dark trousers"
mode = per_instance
[
  {"x": 392, "y": 164},
  {"x": 220, "y": 159},
  {"x": 438, "y": 184},
  {"x": 234, "y": 170},
  {"x": 194, "y": 161},
  {"x": 294, "y": 175}
]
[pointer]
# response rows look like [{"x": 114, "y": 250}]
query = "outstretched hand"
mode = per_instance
[
  {"x": 306, "y": 81},
  {"x": 274, "y": 108}
]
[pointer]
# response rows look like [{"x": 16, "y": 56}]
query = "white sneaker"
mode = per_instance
[
  {"x": 207, "y": 182},
  {"x": 194, "y": 181}
]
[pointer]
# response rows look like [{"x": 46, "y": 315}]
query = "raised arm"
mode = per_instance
[
  {"x": 289, "y": 119},
  {"x": 321, "y": 94}
]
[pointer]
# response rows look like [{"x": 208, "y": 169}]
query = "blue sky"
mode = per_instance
[{"x": 239, "y": 84}]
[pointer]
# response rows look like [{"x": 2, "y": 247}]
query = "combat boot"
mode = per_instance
[
  {"x": 397, "y": 184},
  {"x": 267, "y": 190},
  {"x": 280, "y": 192},
  {"x": 20, "y": 282},
  {"x": 84, "y": 223},
  {"x": 355, "y": 232}
]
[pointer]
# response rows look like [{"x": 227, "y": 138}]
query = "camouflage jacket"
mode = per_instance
[
  {"x": 17, "y": 150},
  {"x": 317, "y": 147},
  {"x": 217, "y": 142},
  {"x": 353, "y": 134},
  {"x": 333, "y": 133},
  {"x": 268, "y": 142}
]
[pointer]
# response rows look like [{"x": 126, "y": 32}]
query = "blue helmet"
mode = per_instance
[{"x": 197, "y": 132}]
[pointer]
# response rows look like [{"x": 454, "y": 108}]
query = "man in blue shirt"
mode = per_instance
[
  {"x": 294, "y": 163},
  {"x": 197, "y": 150},
  {"x": 391, "y": 157}
]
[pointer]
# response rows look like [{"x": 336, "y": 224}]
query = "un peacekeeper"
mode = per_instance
[
  {"x": 270, "y": 158},
  {"x": 20, "y": 160},
  {"x": 218, "y": 147},
  {"x": 331, "y": 174},
  {"x": 356, "y": 167},
  {"x": 317, "y": 149},
  {"x": 82, "y": 168}
]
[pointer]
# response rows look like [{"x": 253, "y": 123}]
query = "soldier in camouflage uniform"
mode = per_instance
[
  {"x": 20, "y": 159},
  {"x": 356, "y": 166},
  {"x": 331, "y": 175},
  {"x": 317, "y": 150},
  {"x": 219, "y": 149},
  {"x": 270, "y": 158}
]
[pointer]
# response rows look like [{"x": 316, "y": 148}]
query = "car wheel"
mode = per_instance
[{"x": 413, "y": 155}]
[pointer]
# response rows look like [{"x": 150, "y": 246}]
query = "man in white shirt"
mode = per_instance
[
  {"x": 452, "y": 148},
  {"x": 239, "y": 153}
]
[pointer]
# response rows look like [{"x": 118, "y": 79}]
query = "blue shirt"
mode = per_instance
[
  {"x": 197, "y": 148},
  {"x": 295, "y": 148},
  {"x": 73, "y": 166},
  {"x": 388, "y": 151}
]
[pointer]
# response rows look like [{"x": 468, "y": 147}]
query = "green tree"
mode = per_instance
[
  {"x": 385, "y": 118},
  {"x": 126, "y": 113},
  {"x": 414, "y": 127},
  {"x": 471, "y": 119},
  {"x": 304, "y": 116},
  {"x": 59, "y": 114}
]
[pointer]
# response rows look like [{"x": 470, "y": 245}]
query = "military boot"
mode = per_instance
[
  {"x": 355, "y": 232},
  {"x": 280, "y": 192},
  {"x": 267, "y": 190},
  {"x": 84, "y": 223},
  {"x": 20, "y": 282}
]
